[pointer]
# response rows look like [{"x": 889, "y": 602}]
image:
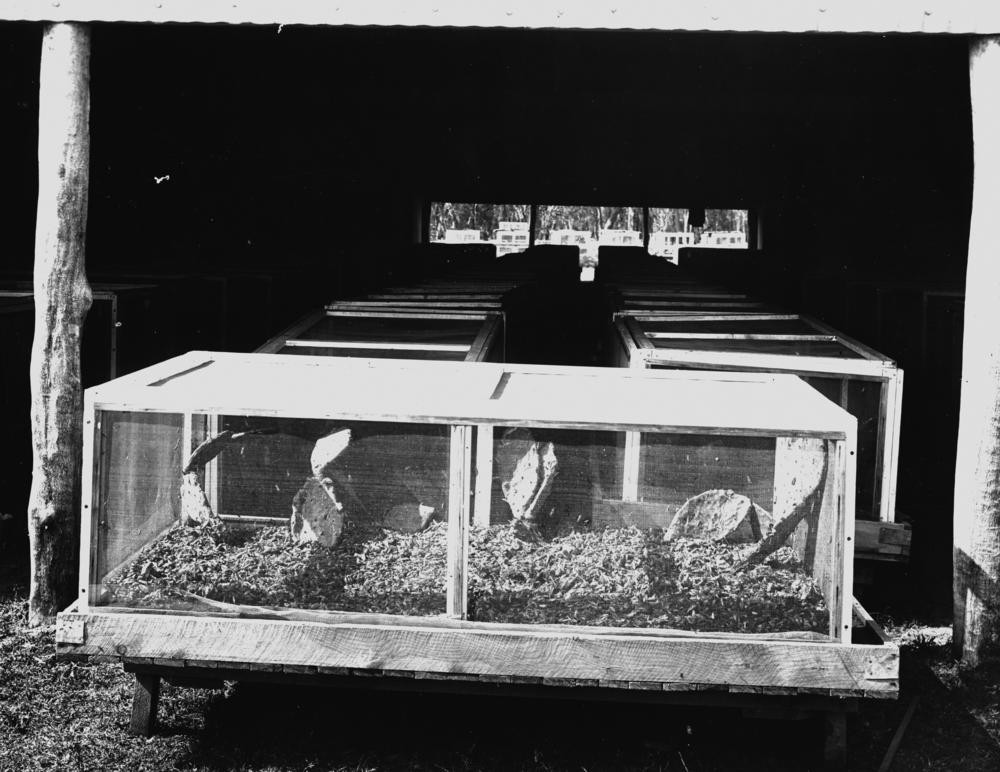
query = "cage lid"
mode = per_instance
[{"x": 409, "y": 391}]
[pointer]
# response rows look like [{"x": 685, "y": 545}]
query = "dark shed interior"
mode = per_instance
[{"x": 310, "y": 153}]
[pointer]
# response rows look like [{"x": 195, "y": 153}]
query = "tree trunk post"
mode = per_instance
[
  {"x": 62, "y": 298},
  {"x": 977, "y": 475}
]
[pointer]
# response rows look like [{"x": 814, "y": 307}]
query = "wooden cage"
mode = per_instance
[
  {"x": 862, "y": 381},
  {"x": 128, "y": 327},
  {"x": 474, "y": 405},
  {"x": 409, "y": 333}
]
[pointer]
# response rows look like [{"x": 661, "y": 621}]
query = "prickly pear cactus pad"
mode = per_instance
[{"x": 620, "y": 577}]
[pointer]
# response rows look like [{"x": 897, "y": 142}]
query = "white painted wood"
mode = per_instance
[
  {"x": 484, "y": 475},
  {"x": 630, "y": 466},
  {"x": 378, "y": 345},
  {"x": 847, "y": 465},
  {"x": 465, "y": 393},
  {"x": 407, "y": 313},
  {"x": 887, "y": 16},
  {"x": 212, "y": 467},
  {"x": 90, "y": 463},
  {"x": 891, "y": 458},
  {"x": 459, "y": 480}
]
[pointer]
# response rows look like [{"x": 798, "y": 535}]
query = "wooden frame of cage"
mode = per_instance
[
  {"x": 451, "y": 648},
  {"x": 638, "y": 350},
  {"x": 100, "y": 293},
  {"x": 487, "y": 339}
]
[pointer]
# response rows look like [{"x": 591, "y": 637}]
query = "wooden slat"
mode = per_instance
[
  {"x": 654, "y": 316},
  {"x": 638, "y": 336},
  {"x": 695, "y": 336},
  {"x": 90, "y": 484},
  {"x": 459, "y": 479},
  {"x": 377, "y": 345},
  {"x": 856, "y": 346},
  {"x": 406, "y": 314},
  {"x": 484, "y": 475},
  {"x": 800, "y": 365},
  {"x": 847, "y": 470},
  {"x": 828, "y": 667},
  {"x": 275, "y": 344},
  {"x": 480, "y": 348},
  {"x": 891, "y": 451}
]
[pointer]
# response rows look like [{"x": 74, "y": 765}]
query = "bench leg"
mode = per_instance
[
  {"x": 144, "y": 702},
  {"x": 835, "y": 741}
]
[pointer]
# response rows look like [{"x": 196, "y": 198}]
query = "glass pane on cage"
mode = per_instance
[{"x": 296, "y": 514}]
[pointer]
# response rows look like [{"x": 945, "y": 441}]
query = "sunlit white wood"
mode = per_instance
[{"x": 950, "y": 16}]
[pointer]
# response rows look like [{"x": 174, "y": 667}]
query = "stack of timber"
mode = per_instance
[{"x": 682, "y": 322}]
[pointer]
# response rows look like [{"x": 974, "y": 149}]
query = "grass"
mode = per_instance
[{"x": 57, "y": 715}]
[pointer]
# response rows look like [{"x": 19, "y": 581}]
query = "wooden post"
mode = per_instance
[
  {"x": 62, "y": 298},
  {"x": 145, "y": 700},
  {"x": 977, "y": 475}
]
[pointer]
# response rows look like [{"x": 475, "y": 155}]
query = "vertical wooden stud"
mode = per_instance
[
  {"x": 459, "y": 473},
  {"x": 91, "y": 472},
  {"x": 484, "y": 475},
  {"x": 212, "y": 467},
  {"x": 892, "y": 450},
  {"x": 843, "y": 493}
]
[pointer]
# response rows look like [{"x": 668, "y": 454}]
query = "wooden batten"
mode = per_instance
[{"x": 459, "y": 480}]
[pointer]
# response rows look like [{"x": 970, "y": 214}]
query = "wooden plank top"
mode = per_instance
[
  {"x": 485, "y": 393},
  {"x": 931, "y": 16}
]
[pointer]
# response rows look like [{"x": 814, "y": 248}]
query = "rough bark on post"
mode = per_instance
[
  {"x": 977, "y": 475},
  {"x": 62, "y": 299}
]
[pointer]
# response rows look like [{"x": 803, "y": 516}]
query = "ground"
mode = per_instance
[{"x": 66, "y": 716}]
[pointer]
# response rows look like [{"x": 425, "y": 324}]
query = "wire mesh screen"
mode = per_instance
[
  {"x": 137, "y": 486},
  {"x": 287, "y": 513},
  {"x": 706, "y": 545},
  {"x": 863, "y": 401}
]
